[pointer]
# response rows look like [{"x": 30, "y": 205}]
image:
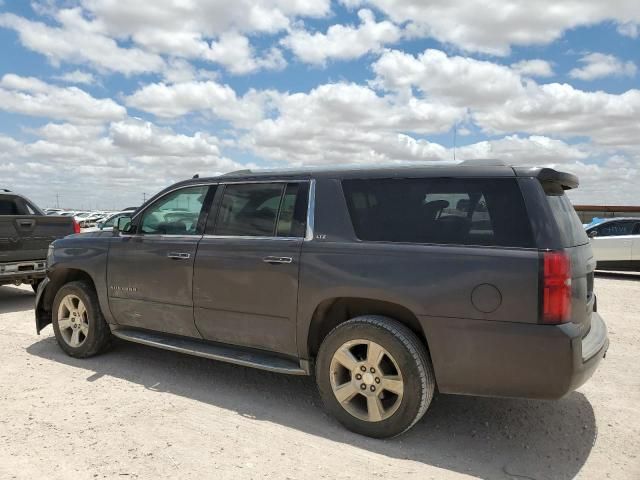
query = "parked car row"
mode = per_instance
[{"x": 88, "y": 219}]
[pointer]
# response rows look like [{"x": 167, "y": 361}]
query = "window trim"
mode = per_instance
[
  {"x": 434, "y": 244},
  {"x": 310, "y": 217},
  {"x": 311, "y": 202}
]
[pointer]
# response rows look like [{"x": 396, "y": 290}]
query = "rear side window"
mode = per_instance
[
  {"x": 439, "y": 210},
  {"x": 570, "y": 228}
]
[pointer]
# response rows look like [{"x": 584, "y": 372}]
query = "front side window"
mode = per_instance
[
  {"x": 439, "y": 210},
  {"x": 262, "y": 210},
  {"x": 176, "y": 213}
]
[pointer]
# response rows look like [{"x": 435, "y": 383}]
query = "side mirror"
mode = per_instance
[
  {"x": 100, "y": 225},
  {"x": 123, "y": 225},
  {"x": 593, "y": 233}
]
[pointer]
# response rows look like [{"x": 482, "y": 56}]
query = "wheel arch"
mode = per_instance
[
  {"x": 56, "y": 279},
  {"x": 331, "y": 312}
]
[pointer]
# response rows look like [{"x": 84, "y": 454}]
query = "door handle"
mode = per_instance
[
  {"x": 178, "y": 255},
  {"x": 26, "y": 223},
  {"x": 274, "y": 260}
]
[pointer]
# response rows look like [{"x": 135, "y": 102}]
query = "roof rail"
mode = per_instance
[
  {"x": 483, "y": 162},
  {"x": 5, "y": 190},
  {"x": 237, "y": 172}
]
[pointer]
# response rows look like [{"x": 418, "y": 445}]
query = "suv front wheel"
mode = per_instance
[
  {"x": 80, "y": 328},
  {"x": 374, "y": 376}
]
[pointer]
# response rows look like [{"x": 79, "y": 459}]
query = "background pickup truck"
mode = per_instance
[{"x": 25, "y": 235}]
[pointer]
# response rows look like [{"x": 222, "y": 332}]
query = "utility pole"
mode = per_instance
[
  {"x": 144, "y": 197},
  {"x": 57, "y": 200}
]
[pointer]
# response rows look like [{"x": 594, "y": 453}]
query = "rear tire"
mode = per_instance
[
  {"x": 78, "y": 323},
  {"x": 374, "y": 375}
]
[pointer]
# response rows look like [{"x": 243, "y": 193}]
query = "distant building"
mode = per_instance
[{"x": 588, "y": 212}]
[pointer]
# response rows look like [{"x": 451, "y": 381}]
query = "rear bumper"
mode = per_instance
[
  {"x": 478, "y": 357},
  {"x": 26, "y": 271}
]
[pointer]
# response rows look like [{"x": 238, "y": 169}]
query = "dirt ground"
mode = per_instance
[{"x": 139, "y": 412}]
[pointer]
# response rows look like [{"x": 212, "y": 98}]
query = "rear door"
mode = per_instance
[
  {"x": 150, "y": 272},
  {"x": 246, "y": 270}
]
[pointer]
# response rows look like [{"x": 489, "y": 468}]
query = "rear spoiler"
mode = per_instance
[{"x": 548, "y": 175}]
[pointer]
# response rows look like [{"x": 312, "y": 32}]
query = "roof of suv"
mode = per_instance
[{"x": 488, "y": 168}]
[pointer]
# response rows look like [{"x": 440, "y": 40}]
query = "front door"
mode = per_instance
[
  {"x": 150, "y": 272},
  {"x": 246, "y": 269}
]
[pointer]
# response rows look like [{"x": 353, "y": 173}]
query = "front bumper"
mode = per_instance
[{"x": 506, "y": 359}]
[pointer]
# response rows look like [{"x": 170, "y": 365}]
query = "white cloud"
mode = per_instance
[
  {"x": 493, "y": 27},
  {"x": 170, "y": 101},
  {"x": 501, "y": 101},
  {"x": 533, "y": 68},
  {"x": 202, "y": 18},
  {"x": 77, "y": 77},
  {"x": 115, "y": 164},
  {"x": 599, "y": 65},
  {"x": 30, "y": 96},
  {"x": 346, "y": 123},
  {"x": 343, "y": 42},
  {"x": 462, "y": 81},
  {"x": 234, "y": 52},
  {"x": 629, "y": 29},
  {"x": 80, "y": 41}
]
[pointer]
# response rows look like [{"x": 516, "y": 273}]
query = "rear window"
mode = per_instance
[
  {"x": 439, "y": 210},
  {"x": 572, "y": 233}
]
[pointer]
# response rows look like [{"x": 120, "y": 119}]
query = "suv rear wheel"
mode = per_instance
[
  {"x": 80, "y": 328},
  {"x": 374, "y": 376}
]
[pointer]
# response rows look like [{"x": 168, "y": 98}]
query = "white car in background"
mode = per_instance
[
  {"x": 106, "y": 224},
  {"x": 616, "y": 243}
]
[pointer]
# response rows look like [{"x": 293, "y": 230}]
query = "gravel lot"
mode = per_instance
[{"x": 138, "y": 412}]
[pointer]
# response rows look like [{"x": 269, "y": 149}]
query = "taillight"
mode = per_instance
[
  {"x": 556, "y": 288},
  {"x": 76, "y": 226}
]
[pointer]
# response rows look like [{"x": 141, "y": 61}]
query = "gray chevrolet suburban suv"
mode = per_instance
[{"x": 387, "y": 283}]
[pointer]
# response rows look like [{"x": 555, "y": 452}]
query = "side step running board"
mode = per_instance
[{"x": 215, "y": 351}]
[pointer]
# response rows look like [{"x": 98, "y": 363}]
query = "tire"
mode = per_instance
[
  {"x": 390, "y": 413},
  {"x": 94, "y": 335}
]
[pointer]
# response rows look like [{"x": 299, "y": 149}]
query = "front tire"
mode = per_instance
[
  {"x": 78, "y": 323},
  {"x": 374, "y": 376}
]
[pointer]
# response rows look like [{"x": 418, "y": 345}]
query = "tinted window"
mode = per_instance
[
  {"x": 570, "y": 227},
  {"x": 8, "y": 207},
  {"x": 176, "y": 213},
  {"x": 612, "y": 229},
  {"x": 262, "y": 210},
  {"x": 249, "y": 210},
  {"x": 432, "y": 210},
  {"x": 292, "y": 219}
]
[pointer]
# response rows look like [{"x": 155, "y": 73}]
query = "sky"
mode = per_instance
[{"x": 105, "y": 102}]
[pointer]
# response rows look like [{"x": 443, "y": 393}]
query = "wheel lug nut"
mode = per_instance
[
  {"x": 373, "y": 388},
  {"x": 358, "y": 376},
  {"x": 363, "y": 387},
  {"x": 363, "y": 368},
  {"x": 373, "y": 370},
  {"x": 377, "y": 380}
]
